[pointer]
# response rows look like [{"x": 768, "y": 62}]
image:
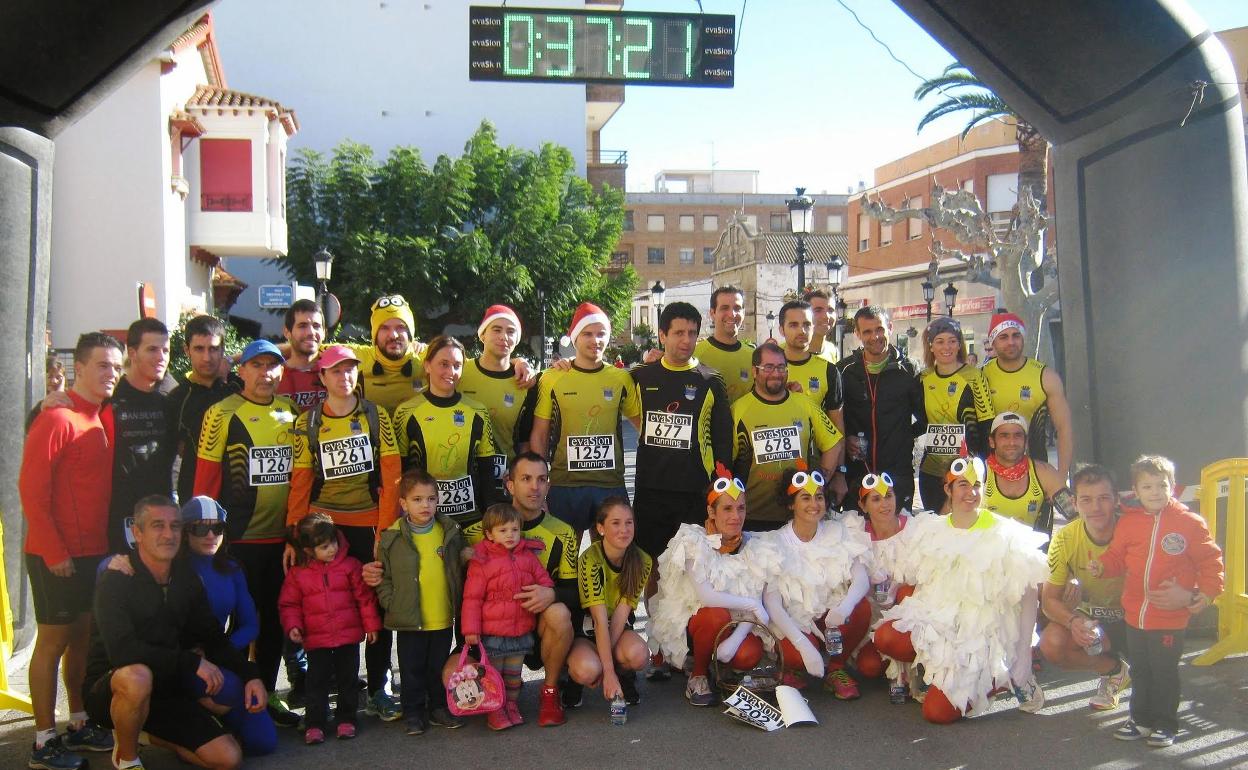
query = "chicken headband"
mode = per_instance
[
  {"x": 724, "y": 484},
  {"x": 873, "y": 483},
  {"x": 810, "y": 482},
  {"x": 969, "y": 468}
]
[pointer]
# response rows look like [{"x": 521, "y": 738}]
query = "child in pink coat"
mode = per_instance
[
  {"x": 326, "y": 607},
  {"x": 502, "y": 564}
]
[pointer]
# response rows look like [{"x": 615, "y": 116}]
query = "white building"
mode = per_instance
[
  {"x": 396, "y": 73},
  {"x": 169, "y": 173}
]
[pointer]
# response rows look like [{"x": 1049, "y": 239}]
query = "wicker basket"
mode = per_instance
[{"x": 762, "y": 678}]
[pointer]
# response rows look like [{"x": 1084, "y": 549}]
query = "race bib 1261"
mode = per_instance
[
  {"x": 347, "y": 456},
  {"x": 668, "y": 430},
  {"x": 456, "y": 496},
  {"x": 267, "y": 465},
  {"x": 591, "y": 453},
  {"x": 773, "y": 445},
  {"x": 945, "y": 439}
]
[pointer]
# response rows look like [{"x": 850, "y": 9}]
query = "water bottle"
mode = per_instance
[
  {"x": 880, "y": 592},
  {"x": 833, "y": 641},
  {"x": 897, "y": 691},
  {"x": 1098, "y": 641},
  {"x": 619, "y": 711},
  {"x": 862, "y": 446}
]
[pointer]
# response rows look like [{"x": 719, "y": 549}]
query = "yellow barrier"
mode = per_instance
[
  {"x": 1233, "y": 603},
  {"x": 8, "y": 698}
]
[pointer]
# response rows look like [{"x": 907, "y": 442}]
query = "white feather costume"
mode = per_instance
[
  {"x": 964, "y": 615},
  {"x": 692, "y": 556}
]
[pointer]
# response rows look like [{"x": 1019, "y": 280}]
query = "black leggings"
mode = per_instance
[
  {"x": 337, "y": 665},
  {"x": 1154, "y": 658},
  {"x": 361, "y": 543},
  {"x": 262, "y": 565}
]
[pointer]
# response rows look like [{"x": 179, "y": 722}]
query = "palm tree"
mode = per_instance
[{"x": 972, "y": 95}]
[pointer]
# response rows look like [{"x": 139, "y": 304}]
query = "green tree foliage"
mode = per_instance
[
  {"x": 493, "y": 225},
  {"x": 180, "y": 363}
]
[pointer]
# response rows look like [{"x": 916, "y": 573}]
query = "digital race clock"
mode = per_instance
[{"x": 580, "y": 46}]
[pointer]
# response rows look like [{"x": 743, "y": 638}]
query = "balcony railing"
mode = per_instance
[
  {"x": 225, "y": 202},
  {"x": 609, "y": 157}
]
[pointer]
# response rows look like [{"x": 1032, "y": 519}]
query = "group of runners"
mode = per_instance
[{"x": 771, "y": 515}]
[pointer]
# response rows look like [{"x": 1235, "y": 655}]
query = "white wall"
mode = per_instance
[{"x": 341, "y": 65}]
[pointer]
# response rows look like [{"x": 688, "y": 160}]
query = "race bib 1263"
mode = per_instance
[
  {"x": 267, "y": 465},
  {"x": 347, "y": 456},
  {"x": 668, "y": 430},
  {"x": 591, "y": 453},
  {"x": 456, "y": 496},
  {"x": 773, "y": 445}
]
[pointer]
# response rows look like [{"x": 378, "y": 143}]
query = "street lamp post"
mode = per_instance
[
  {"x": 324, "y": 262},
  {"x": 951, "y": 297},
  {"x": 771, "y": 319},
  {"x": 801, "y": 221},
  {"x": 842, "y": 325},
  {"x": 541, "y": 301},
  {"x": 656, "y": 296},
  {"x": 929, "y": 294}
]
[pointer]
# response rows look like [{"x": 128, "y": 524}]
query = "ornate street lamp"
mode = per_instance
[
  {"x": 929, "y": 294},
  {"x": 951, "y": 297},
  {"x": 771, "y": 320},
  {"x": 324, "y": 262},
  {"x": 656, "y": 296},
  {"x": 801, "y": 222}
]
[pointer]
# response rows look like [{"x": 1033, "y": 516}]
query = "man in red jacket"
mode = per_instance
[{"x": 65, "y": 484}]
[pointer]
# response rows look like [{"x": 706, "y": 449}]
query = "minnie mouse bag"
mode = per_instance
[{"x": 475, "y": 688}]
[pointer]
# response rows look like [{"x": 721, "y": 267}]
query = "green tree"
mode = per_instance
[{"x": 493, "y": 225}]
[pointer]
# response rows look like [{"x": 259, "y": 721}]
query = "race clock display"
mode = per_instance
[{"x": 580, "y": 46}]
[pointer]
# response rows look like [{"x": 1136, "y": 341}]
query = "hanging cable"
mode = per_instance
[{"x": 740, "y": 26}]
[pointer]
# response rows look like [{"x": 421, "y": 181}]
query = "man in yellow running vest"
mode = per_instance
[
  {"x": 1017, "y": 486},
  {"x": 1023, "y": 385}
]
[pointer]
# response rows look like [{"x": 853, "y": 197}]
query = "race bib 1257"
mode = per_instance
[{"x": 591, "y": 453}]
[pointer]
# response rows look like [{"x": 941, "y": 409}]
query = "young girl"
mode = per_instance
[
  {"x": 325, "y": 606},
  {"x": 422, "y": 557},
  {"x": 502, "y": 564},
  {"x": 1159, "y": 546},
  {"x": 612, "y": 575}
]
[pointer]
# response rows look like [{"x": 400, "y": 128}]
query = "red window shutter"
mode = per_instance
[{"x": 225, "y": 174}]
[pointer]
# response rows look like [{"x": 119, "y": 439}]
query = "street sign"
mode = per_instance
[{"x": 277, "y": 295}]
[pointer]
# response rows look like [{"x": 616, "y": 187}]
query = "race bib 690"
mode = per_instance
[{"x": 945, "y": 439}]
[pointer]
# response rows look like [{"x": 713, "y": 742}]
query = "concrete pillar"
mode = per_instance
[{"x": 25, "y": 251}]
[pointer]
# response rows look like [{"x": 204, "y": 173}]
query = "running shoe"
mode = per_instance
[
  {"x": 573, "y": 695},
  {"x": 442, "y": 717},
  {"x": 498, "y": 720},
  {"x": 628, "y": 683},
  {"x": 698, "y": 692},
  {"x": 56, "y": 756},
  {"x": 550, "y": 710},
  {"x": 1159, "y": 739},
  {"x": 513, "y": 713},
  {"x": 417, "y": 724},
  {"x": 282, "y": 716},
  {"x": 1132, "y": 732},
  {"x": 841, "y": 684},
  {"x": 1110, "y": 690},
  {"x": 384, "y": 707},
  {"x": 793, "y": 679},
  {"x": 133, "y": 764},
  {"x": 89, "y": 737},
  {"x": 659, "y": 671},
  {"x": 313, "y": 736},
  {"x": 346, "y": 731},
  {"x": 1030, "y": 696}
]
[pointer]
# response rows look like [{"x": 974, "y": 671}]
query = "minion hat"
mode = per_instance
[
  {"x": 391, "y": 306},
  {"x": 970, "y": 468},
  {"x": 586, "y": 313},
  {"x": 495, "y": 312}
]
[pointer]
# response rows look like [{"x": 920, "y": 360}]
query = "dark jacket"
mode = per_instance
[
  {"x": 143, "y": 451},
  {"x": 898, "y": 398},
  {"x": 139, "y": 621},
  {"x": 399, "y": 591}
]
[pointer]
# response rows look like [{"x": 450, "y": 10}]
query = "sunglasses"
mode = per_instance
[{"x": 205, "y": 528}]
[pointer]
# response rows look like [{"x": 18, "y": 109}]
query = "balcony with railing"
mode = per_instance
[{"x": 606, "y": 167}]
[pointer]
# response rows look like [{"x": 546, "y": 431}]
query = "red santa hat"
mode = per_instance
[
  {"x": 1002, "y": 321},
  {"x": 495, "y": 312},
  {"x": 586, "y": 313}
]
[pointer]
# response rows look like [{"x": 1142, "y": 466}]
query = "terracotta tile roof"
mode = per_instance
[
  {"x": 820, "y": 247},
  {"x": 208, "y": 97}
]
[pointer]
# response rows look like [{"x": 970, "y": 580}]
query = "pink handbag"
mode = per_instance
[{"x": 475, "y": 688}]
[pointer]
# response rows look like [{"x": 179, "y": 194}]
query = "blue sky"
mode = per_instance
[{"x": 817, "y": 102}]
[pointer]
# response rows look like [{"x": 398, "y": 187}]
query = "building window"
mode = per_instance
[
  {"x": 654, "y": 223},
  {"x": 836, "y": 223},
  {"x": 779, "y": 223},
  {"x": 686, "y": 256},
  {"x": 752, "y": 221},
  {"x": 886, "y": 234},
  {"x": 864, "y": 232},
  {"x": 655, "y": 255},
  {"x": 710, "y": 223},
  {"x": 621, "y": 259},
  {"x": 915, "y": 224},
  {"x": 628, "y": 221},
  {"x": 225, "y": 174},
  {"x": 686, "y": 223},
  {"x": 708, "y": 255},
  {"x": 969, "y": 185}
]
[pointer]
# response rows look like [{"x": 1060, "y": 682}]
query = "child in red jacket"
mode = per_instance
[
  {"x": 326, "y": 607},
  {"x": 502, "y": 564},
  {"x": 1173, "y": 571}
]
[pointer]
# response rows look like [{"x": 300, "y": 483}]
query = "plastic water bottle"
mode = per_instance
[
  {"x": 863, "y": 443},
  {"x": 1098, "y": 641},
  {"x": 619, "y": 711},
  {"x": 897, "y": 691},
  {"x": 880, "y": 591},
  {"x": 833, "y": 641}
]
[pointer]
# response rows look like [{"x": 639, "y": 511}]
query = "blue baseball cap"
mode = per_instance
[
  {"x": 203, "y": 508},
  {"x": 260, "y": 348}
]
